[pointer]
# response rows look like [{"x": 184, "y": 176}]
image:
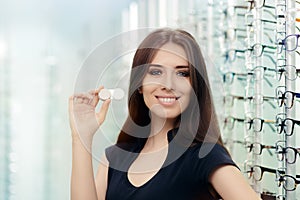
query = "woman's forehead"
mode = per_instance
[{"x": 171, "y": 54}]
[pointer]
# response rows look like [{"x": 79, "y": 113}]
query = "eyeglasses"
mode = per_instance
[
  {"x": 255, "y": 50},
  {"x": 287, "y": 98},
  {"x": 289, "y": 153},
  {"x": 229, "y": 99},
  {"x": 229, "y": 76},
  {"x": 267, "y": 72},
  {"x": 257, "y": 171},
  {"x": 250, "y": 20},
  {"x": 251, "y": 76},
  {"x": 259, "y": 99},
  {"x": 258, "y": 49},
  {"x": 232, "y": 10},
  {"x": 289, "y": 182},
  {"x": 258, "y": 123},
  {"x": 258, "y": 4},
  {"x": 232, "y": 33},
  {"x": 290, "y": 72},
  {"x": 228, "y": 141},
  {"x": 230, "y": 121},
  {"x": 250, "y": 63},
  {"x": 256, "y": 99},
  {"x": 257, "y": 148},
  {"x": 287, "y": 125},
  {"x": 231, "y": 55},
  {"x": 267, "y": 37},
  {"x": 289, "y": 43}
]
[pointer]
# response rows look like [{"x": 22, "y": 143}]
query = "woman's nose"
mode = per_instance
[{"x": 168, "y": 82}]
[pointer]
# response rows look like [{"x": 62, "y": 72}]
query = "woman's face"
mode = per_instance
[{"x": 166, "y": 87}]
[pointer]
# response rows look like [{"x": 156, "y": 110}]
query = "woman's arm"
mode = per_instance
[
  {"x": 231, "y": 184},
  {"x": 84, "y": 122},
  {"x": 101, "y": 178},
  {"x": 82, "y": 177}
]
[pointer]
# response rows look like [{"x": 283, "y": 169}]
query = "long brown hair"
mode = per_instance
[{"x": 200, "y": 121}]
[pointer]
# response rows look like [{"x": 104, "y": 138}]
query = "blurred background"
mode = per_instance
[{"x": 44, "y": 44}]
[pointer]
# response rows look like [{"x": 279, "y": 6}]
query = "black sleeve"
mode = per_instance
[{"x": 209, "y": 157}]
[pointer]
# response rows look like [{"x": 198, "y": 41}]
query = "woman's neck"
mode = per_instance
[{"x": 158, "y": 138}]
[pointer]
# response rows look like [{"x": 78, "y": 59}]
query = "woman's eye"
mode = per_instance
[
  {"x": 183, "y": 73},
  {"x": 155, "y": 72}
]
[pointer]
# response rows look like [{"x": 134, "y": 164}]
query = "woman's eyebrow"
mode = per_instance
[
  {"x": 155, "y": 65},
  {"x": 177, "y": 67},
  {"x": 182, "y": 67}
]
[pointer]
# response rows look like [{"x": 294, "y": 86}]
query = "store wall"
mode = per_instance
[{"x": 45, "y": 47}]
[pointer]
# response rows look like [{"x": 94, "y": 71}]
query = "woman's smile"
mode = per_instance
[{"x": 167, "y": 100}]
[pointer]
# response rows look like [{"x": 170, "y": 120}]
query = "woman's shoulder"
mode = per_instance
[
  {"x": 204, "y": 149},
  {"x": 209, "y": 154},
  {"x": 204, "y": 158}
]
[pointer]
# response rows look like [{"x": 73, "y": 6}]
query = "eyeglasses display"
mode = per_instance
[{"x": 260, "y": 40}]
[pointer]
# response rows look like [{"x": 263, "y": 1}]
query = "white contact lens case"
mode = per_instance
[{"x": 116, "y": 94}]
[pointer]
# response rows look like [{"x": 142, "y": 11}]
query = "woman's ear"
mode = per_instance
[{"x": 140, "y": 90}]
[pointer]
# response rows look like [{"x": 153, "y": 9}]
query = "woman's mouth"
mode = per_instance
[{"x": 167, "y": 100}]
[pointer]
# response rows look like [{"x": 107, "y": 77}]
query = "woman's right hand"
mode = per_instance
[{"x": 84, "y": 120}]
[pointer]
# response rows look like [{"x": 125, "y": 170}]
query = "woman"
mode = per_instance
[{"x": 170, "y": 145}]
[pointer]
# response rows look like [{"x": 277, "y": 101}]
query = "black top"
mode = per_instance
[{"x": 184, "y": 175}]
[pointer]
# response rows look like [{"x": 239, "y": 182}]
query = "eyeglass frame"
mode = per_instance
[
  {"x": 284, "y": 43},
  {"x": 262, "y": 47},
  {"x": 253, "y": 2},
  {"x": 251, "y": 121},
  {"x": 250, "y": 146},
  {"x": 280, "y": 176},
  {"x": 281, "y": 97},
  {"x": 280, "y": 125},
  {"x": 262, "y": 169},
  {"x": 249, "y": 98},
  {"x": 284, "y": 153},
  {"x": 233, "y": 122},
  {"x": 282, "y": 69}
]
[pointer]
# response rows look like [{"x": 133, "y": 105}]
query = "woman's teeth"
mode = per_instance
[{"x": 167, "y": 100}]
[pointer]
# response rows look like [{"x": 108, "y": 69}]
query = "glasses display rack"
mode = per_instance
[
  {"x": 260, "y": 40},
  {"x": 254, "y": 45}
]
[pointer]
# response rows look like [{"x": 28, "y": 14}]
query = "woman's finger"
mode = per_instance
[
  {"x": 103, "y": 111},
  {"x": 95, "y": 94},
  {"x": 71, "y": 102},
  {"x": 83, "y": 98}
]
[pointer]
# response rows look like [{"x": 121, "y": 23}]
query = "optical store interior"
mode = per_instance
[{"x": 252, "y": 52}]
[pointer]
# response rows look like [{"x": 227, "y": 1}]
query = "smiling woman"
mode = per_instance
[
  {"x": 170, "y": 145},
  {"x": 166, "y": 86}
]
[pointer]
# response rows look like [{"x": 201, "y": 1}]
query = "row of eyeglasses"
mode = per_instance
[{"x": 273, "y": 72}]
